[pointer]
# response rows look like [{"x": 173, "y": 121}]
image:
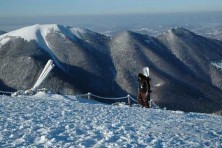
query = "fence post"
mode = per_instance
[
  {"x": 150, "y": 103},
  {"x": 129, "y": 101},
  {"x": 89, "y": 94}
]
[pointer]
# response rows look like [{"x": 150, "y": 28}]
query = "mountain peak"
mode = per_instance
[
  {"x": 180, "y": 31},
  {"x": 124, "y": 33},
  {"x": 38, "y": 33},
  {"x": 83, "y": 33},
  {"x": 32, "y": 32},
  {"x": 179, "y": 28},
  {"x": 177, "y": 32},
  {"x": 81, "y": 30}
]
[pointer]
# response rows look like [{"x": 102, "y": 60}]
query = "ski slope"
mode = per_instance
[{"x": 52, "y": 120}]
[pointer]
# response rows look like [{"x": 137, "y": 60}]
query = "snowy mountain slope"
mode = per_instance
[
  {"x": 193, "y": 50},
  {"x": 197, "y": 53},
  {"x": 22, "y": 63},
  {"x": 38, "y": 33},
  {"x": 216, "y": 73},
  {"x": 51, "y": 120},
  {"x": 75, "y": 51},
  {"x": 86, "y": 60},
  {"x": 108, "y": 66},
  {"x": 146, "y": 51},
  {"x": 131, "y": 52}
]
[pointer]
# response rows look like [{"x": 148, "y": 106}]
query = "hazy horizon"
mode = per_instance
[
  {"x": 154, "y": 23},
  {"x": 110, "y": 15},
  {"x": 32, "y": 8}
]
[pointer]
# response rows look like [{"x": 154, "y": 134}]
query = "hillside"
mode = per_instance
[
  {"x": 75, "y": 51},
  {"x": 48, "y": 120},
  {"x": 183, "y": 66}
]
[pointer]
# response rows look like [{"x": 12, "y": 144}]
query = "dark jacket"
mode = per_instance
[{"x": 144, "y": 91}]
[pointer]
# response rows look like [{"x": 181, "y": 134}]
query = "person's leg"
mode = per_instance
[
  {"x": 144, "y": 100},
  {"x": 139, "y": 99},
  {"x": 146, "y": 103}
]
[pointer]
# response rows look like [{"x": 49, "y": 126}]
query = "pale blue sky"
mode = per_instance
[{"x": 15, "y": 8}]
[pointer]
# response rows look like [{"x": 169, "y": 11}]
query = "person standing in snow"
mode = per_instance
[{"x": 144, "y": 91}]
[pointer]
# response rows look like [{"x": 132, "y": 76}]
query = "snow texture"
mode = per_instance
[
  {"x": 38, "y": 33},
  {"x": 51, "y": 120},
  {"x": 32, "y": 32},
  {"x": 217, "y": 65},
  {"x": 78, "y": 31}
]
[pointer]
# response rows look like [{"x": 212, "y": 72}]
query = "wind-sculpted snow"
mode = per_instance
[{"x": 52, "y": 120}]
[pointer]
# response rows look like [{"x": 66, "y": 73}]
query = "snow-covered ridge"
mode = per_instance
[
  {"x": 178, "y": 31},
  {"x": 38, "y": 32},
  {"x": 78, "y": 31},
  {"x": 33, "y": 32},
  {"x": 48, "y": 120}
]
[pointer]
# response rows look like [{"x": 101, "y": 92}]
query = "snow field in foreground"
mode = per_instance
[{"x": 66, "y": 121}]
